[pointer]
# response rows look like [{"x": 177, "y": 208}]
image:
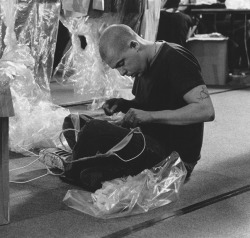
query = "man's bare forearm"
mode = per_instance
[{"x": 190, "y": 114}]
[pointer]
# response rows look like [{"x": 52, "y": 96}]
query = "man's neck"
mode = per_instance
[{"x": 155, "y": 50}]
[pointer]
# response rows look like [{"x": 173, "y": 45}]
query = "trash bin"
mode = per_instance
[{"x": 211, "y": 52}]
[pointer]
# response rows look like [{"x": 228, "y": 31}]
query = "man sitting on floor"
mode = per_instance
[{"x": 170, "y": 107}]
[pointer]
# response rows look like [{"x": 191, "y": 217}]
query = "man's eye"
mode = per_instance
[{"x": 120, "y": 64}]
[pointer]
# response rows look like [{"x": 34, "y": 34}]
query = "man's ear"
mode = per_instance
[
  {"x": 102, "y": 28},
  {"x": 134, "y": 45}
]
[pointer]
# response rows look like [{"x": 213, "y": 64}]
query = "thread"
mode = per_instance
[{"x": 49, "y": 172}]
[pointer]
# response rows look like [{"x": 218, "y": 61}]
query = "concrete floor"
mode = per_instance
[
  {"x": 37, "y": 209},
  {"x": 225, "y": 166}
]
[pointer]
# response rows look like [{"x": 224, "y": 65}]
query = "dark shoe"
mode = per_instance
[
  {"x": 186, "y": 179},
  {"x": 189, "y": 167},
  {"x": 91, "y": 179}
]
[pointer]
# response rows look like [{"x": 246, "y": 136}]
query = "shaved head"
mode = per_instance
[{"x": 115, "y": 39}]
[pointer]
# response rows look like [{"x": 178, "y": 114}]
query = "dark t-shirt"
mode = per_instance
[
  {"x": 173, "y": 73},
  {"x": 174, "y": 27}
]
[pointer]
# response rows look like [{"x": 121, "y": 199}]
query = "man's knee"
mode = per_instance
[{"x": 67, "y": 123}]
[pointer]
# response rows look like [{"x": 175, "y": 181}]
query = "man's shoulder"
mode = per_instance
[
  {"x": 170, "y": 53},
  {"x": 175, "y": 55},
  {"x": 165, "y": 51},
  {"x": 168, "y": 57},
  {"x": 171, "y": 48}
]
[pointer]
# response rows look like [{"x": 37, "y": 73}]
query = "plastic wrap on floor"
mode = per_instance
[{"x": 121, "y": 197}]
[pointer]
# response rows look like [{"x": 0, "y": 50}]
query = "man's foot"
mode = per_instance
[
  {"x": 54, "y": 157},
  {"x": 186, "y": 179},
  {"x": 189, "y": 167},
  {"x": 92, "y": 178}
]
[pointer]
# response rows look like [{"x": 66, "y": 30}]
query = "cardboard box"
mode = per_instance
[{"x": 212, "y": 54}]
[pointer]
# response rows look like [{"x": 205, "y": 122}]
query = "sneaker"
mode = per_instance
[
  {"x": 92, "y": 178},
  {"x": 189, "y": 167},
  {"x": 54, "y": 157}
]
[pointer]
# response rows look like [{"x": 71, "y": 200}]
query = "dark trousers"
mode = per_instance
[{"x": 99, "y": 136}]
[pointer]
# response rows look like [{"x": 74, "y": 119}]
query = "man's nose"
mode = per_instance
[{"x": 122, "y": 71}]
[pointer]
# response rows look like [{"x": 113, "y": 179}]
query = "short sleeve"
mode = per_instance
[{"x": 185, "y": 71}]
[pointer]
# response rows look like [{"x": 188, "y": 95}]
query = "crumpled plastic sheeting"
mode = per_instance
[
  {"x": 36, "y": 125},
  {"x": 37, "y": 122},
  {"x": 149, "y": 26},
  {"x": 8, "y": 10},
  {"x": 120, "y": 197},
  {"x": 84, "y": 67},
  {"x": 17, "y": 63},
  {"x": 35, "y": 25}
]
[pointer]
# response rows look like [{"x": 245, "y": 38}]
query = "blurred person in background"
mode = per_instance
[{"x": 174, "y": 26}]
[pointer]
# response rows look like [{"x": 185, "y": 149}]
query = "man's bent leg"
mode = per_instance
[
  {"x": 68, "y": 128},
  {"x": 99, "y": 136}
]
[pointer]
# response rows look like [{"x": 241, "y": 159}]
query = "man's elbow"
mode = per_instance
[{"x": 210, "y": 113}]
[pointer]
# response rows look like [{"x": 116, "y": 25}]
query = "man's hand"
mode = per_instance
[
  {"x": 113, "y": 105},
  {"x": 135, "y": 117}
]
